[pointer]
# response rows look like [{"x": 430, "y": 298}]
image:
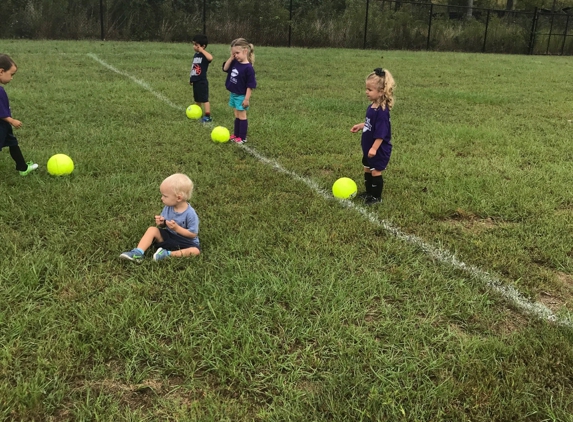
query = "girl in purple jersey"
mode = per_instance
[
  {"x": 376, "y": 133},
  {"x": 7, "y": 139},
  {"x": 240, "y": 83}
]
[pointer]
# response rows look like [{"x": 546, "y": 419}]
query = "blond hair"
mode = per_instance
[
  {"x": 243, "y": 43},
  {"x": 385, "y": 84},
  {"x": 181, "y": 185}
]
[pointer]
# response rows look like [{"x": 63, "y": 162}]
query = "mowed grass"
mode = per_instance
[{"x": 299, "y": 308}]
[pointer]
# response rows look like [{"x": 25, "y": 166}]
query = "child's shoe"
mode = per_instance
[
  {"x": 371, "y": 200},
  {"x": 161, "y": 254},
  {"x": 206, "y": 119},
  {"x": 238, "y": 140},
  {"x": 31, "y": 167},
  {"x": 232, "y": 138},
  {"x": 133, "y": 255}
]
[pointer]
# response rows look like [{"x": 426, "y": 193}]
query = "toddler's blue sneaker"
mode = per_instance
[
  {"x": 31, "y": 167},
  {"x": 133, "y": 255},
  {"x": 161, "y": 254},
  {"x": 206, "y": 119}
]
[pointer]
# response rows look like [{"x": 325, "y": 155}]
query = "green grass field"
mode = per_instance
[{"x": 301, "y": 307}]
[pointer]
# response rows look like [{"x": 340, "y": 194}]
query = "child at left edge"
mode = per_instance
[
  {"x": 198, "y": 76},
  {"x": 7, "y": 139},
  {"x": 177, "y": 228}
]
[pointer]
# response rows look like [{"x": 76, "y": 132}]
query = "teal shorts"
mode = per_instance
[{"x": 236, "y": 101}]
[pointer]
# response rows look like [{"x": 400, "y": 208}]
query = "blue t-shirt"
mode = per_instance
[
  {"x": 199, "y": 67},
  {"x": 187, "y": 219},
  {"x": 4, "y": 104},
  {"x": 240, "y": 76}
]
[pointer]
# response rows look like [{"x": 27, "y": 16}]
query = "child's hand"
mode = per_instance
[
  {"x": 16, "y": 123},
  {"x": 245, "y": 103},
  {"x": 372, "y": 152},
  {"x": 171, "y": 224},
  {"x": 159, "y": 220},
  {"x": 357, "y": 128}
]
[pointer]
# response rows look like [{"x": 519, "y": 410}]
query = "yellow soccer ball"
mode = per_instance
[
  {"x": 220, "y": 134},
  {"x": 194, "y": 112},
  {"x": 60, "y": 165},
  {"x": 344, "y": 188}
]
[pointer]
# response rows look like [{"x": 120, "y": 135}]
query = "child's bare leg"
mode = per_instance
[
  {"x": 207, "y": 107},
  {"x": 137, "y": 254},
  {"x": 150, "y": 235},
  {"x": 186, "y": 252}
]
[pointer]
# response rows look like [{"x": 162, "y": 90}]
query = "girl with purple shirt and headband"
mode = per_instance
[{"x": 240, "y": 83}]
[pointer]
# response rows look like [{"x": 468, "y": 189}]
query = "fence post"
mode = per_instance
[
  {"x": 532, "y": 34},
  {"x": 101, "y": 19},
  {"x": 290, "y": 23},
  {"x": 550, "y": 31},
  {"x": 366, "y": 24},
  {"x": 430, "y": 25},
  {"x": 565, "y": 35},
  {"x": 485, "y": 35},
  {"x": 204, "y": 16}
]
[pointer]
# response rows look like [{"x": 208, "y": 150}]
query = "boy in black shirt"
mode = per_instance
[{"x": 198, "y": 76}]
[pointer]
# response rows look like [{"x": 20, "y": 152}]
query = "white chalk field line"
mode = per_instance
[{"x": 443, "y": 256}]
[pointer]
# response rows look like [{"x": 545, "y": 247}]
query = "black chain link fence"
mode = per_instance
[{"x": 374, "y": 24}]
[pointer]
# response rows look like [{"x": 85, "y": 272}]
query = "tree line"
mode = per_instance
[{"x": 311, "y": 23}]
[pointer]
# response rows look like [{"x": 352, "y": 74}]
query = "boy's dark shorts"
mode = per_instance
[
  {"x": 201, "y": 91},
  {"x": 7, "y": 138},
  {"x": 173, "y": 242}
]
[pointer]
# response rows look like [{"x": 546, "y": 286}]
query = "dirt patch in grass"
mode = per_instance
[
  {"x": 309, "y": 386},
  {"x": 458, "y": 330},
  {"x": 374, "y": 310},
  {"x": 550, "y": 300},
  {"x": 566, "y": 280},
  {"x": 67, "y": 294},
  {"x": 471, "y": 222},
  {"x": 562, "y": 296},
  {"x": 372, "y": 315},
  {"x": 134, "y": 395},
  {"x": 514, "y": 322},
  {"x": 142, "y": 395}
]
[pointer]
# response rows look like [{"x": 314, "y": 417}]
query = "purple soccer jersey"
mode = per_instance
[
  {"x": 240, "y": 76},
  {"x": 4, "y": 104},
  {"x": 377, "y": 126}
]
